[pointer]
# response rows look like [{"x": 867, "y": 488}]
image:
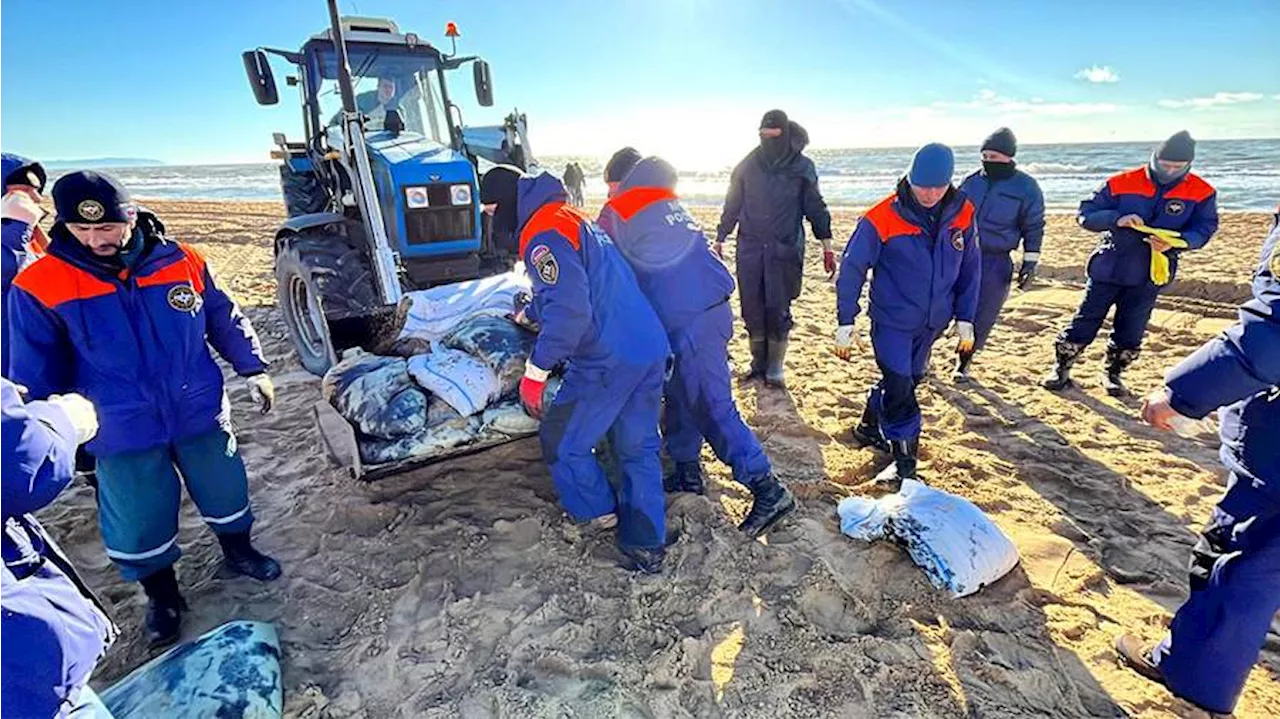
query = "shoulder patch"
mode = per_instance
[
  {"x": 957, "y": 239},
  {"x": 184, "y": 298},
  {"x": 545, "y": 264}
]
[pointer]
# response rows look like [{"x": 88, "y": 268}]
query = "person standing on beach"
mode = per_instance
[
  {"x": 1216, "y": 635},
  {"x": 1161, "y": 208},
  {"x": 23, "y": 182},
  {"x": 1010, "y": 211},
  {"x": 771, "y": 192},
  {"x": 594, "y": 322},
  {"x": 689, "y": 289},
  {"x": 573, "y": 180},
  {"x": 925, "y": 229},
  {"x": 55, "y": 630},
  {"x": 122, "y": 314}
]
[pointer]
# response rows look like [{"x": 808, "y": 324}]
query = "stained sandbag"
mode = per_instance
[
  {"x": 959, "y": 548},
  {"x": 466, "y": 383},
  {"x": 352, "y": 366},
  {"x": 508, "y": 419},
  {"x": 499, "y": 343},
  {"x": 380, "y": 398},
  {"x": 436, "y": 312},
  {"x": 430, "y": 442}
]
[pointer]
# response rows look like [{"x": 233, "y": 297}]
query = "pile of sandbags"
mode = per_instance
[
  {"x": 459, "y": 387},
  {"x": 959, "y": 548}
]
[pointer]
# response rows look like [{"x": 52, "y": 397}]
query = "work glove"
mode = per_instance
[
  {"x": 967, "y": 338},
  {"x": 829, "y": 263},
  {"x": 532, "y": 385},
  {"x": 81, "y": 413},
  {"x": 1027, "y": 274},
  {"x": 1158, "y": 412},
  {"x": 520, "y": 310},
  {"x": 22, "y": 206},
  {"x": 261, "y": 391},
  {"x": 847, "y": 338}
]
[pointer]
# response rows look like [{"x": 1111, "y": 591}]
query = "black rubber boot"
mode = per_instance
[
  {"x": 165, "y": 606},
  {"x": 645, "y": 561},
  {"x": 772, "y": 503},
  {"x": 1117, "y": 361},
  {"x": 1066, "y": 354},
  {"x": 960, "y": 375},
  {"x": 775, "y": 367},
  {"x": 687, "y": 477},
  {"x": 867, "y": 433},
  {"x": 904, "y": 463},
  {"x": 242, "y": 558},
  {"x": 759, "y": 359}
]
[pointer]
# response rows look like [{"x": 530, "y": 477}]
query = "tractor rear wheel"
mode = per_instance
[{"x": 324, "y": 286}]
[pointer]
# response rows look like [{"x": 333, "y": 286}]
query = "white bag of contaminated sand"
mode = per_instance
[
  {"x": 464, "y": 382},
  {"x": 958, "y": 547},
  {"x": 436, "y": 312}
]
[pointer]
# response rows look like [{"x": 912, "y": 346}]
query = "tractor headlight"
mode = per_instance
[
  {"x": 460, "y": 194},
  {"x": 416, "y": 198}
]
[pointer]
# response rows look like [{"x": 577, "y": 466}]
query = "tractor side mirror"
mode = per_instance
[
  {"x": 260, "y": 77},
  {"x": 484, "y": 83}
]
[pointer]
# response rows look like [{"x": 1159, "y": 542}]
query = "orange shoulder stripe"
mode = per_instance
[
  {"x": 964, "y": 218},
  {"x": 632, "y": 201},
  {"x": 556, "y": 217},
  {"x": 1133, "y": 182},
  {"x": 53, "y": 282},
  {"x": 188, "y": 269},
  {"x": 888, "y": 223},
  {"x": 1192, "y": 189}
]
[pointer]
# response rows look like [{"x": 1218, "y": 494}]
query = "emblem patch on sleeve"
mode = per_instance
[
  {"x": 957, "y": 239},
  {"x": 544, "y": 263},
  {"x": 184, "y": 298}
]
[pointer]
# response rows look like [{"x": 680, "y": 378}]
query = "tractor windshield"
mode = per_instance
[{"x": 387, "y": 78}]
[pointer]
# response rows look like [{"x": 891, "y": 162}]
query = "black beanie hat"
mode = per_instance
[
  {"x": 1002, "y": 141},
  {"x": 30, "y": 173},
  {"x": 620, "y": 164},
  {"x": 500, "y": 186},
  {"x": 1178, "y": 148},
  {"x": 774, "y": 120},
  {"x": 90, "y": 197}
]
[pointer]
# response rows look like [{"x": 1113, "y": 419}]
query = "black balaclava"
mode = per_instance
[
  {"x": 996, "y": 171},
  {"x": 500, "y": 186},
  {"x": 1178, "y": 148},
  {"x": 1005, "y": 142},
  {"x": 776, "y": 149}
]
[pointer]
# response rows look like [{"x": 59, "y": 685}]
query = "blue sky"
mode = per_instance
[{"x": 687, "y": 78}]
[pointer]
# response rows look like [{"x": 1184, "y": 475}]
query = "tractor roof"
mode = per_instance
[{"x": 368, "y": 30}]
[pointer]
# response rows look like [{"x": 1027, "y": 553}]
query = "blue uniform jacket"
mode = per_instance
[
  {"x": 54, "y": 630},
  {"x": 921, "y": 279},
  {"x": 1240, "y": 372},
  {"x": 665, "y": 246},
  {"x": 135, "y": 343},
  {"x": 1009, "y": 211},
  {"x": 1123, "y": 257},
  {"x": 585, "y": 297},
  {"x": 15, "y": 234}
]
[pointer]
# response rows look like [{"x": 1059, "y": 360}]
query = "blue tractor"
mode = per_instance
[{"x": 382, "y": 190}]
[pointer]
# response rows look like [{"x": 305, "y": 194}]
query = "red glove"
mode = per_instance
[
  {"x": 829, "y": 262},
  {"x": 531, "y": 387}
]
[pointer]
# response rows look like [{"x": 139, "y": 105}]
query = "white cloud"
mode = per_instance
[
  {"x": 992, "y": 101},
  {"x": 1218, "y": 99},
  {"x": 1098, "y": 74}
]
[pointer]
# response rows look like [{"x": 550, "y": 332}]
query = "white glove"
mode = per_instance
[
  {"x": 847, "y": 338},
  {"x": 967, "y": 337},
  {"x": 81, "y": 413},
  {"x": 21, "y": 206},
  {"x": 261, "y": 391}
]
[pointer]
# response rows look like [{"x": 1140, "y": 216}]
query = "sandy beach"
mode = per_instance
[{"x": 460, "y": 589}]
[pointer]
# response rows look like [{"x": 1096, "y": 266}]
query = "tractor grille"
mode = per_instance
[{"x": 441, "y": 222}]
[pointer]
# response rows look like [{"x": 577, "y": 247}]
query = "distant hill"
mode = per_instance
[{"x": 100, "y": 162}]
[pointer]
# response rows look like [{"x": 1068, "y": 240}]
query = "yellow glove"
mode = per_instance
[
  {"x": 1166, "y": 235},
  {"x": 1160, "y": 261}
]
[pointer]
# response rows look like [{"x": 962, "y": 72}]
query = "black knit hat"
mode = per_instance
[
  {"x": 88, "y": 197},
  {"x": 1178, "y": 148},
  {"x": 1002, "y": 141},
  {"x": 774, "y": 120},
  {"x": 620, "y": 164},
  {"x": 501, "y": 186}
]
